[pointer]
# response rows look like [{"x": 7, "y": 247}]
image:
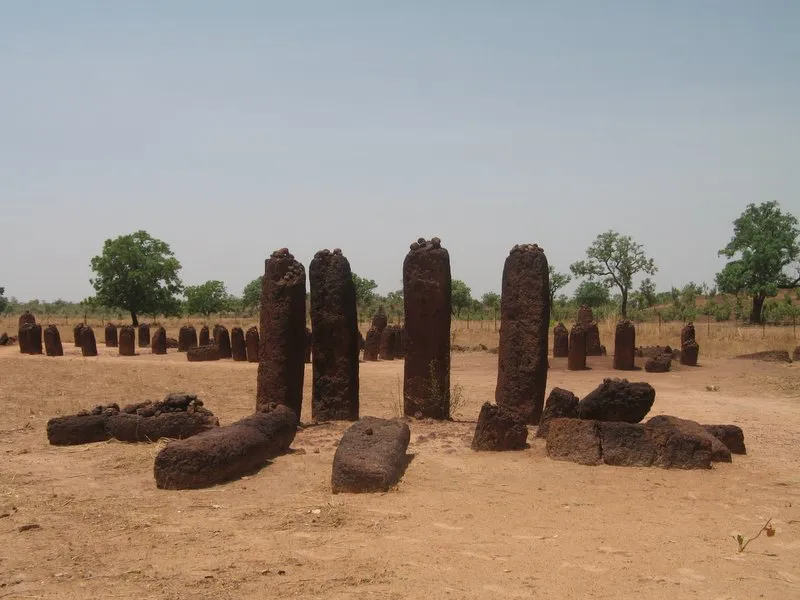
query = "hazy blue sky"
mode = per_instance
[{"x": 229, "y": 129}]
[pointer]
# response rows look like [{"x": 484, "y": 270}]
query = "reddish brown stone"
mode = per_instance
[
  {"x": 499, "y": 429},
  {"x": 238, "y": 348},
  {"x": 88, "y": 341},
  {"x": 372, "y": 345},
  {"x": 309, "y": 339},
  {"x": 127, "y": 341},
  {"x": 577, "y": 348},
  {"x": 252, "y": 344},
  {"x": 678, "y": 448},
  {"x": 687, "y": 333},
  {"x": 560, "y": 341},
  {"x": 618, "y": 400},
  {"x": 52, "y": 341},
  {"x": 399, "y": 344},
  {"x": 625, "y": 346},
  {"x": 660, "y": 364},
  {"x": 111, "y": 335},
  {"x": 222, "y": 340},
  {"x": 719, "y": 451},
  {"x": 561, "y": 404},
  {"x": 30, "y": 338},
  {"x": 187, "y": 338},
  {"x": 585, "y": 315},
  {"x": 158, "y": 344},
  {"x": 76, "y": 334},
  {"x": 281, "y": 367},
  {"x": 427, "y": 303},
  {"x": 334, "y": 323},
  {"x": 202, "y": 353},
  {"x": 26, "y": 318},
  {"x": 593, "y": 345},
  {"x": 768, "y": 356},
  {"x": 690, "y": 351},
  {"x": 574, "y": 440},
  {"x": 524, "y": 325},
  {"x": 204, "y": 338},
  {"x": 388, "y": 343},
  {"x": 225, "y": 453},
  {"x": 730, "y": 435},
  {"x": 144, "y": 335},
  {"x": 380, "y": 321}
]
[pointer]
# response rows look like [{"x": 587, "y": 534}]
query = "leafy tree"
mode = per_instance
[
  {"x": 251, "y": 295},
  {"x": 592, "y": 293},
  {"x": 557, "y": 282},
  {"x": 647, "y": 293},
  {"x": 764, "y": 245},
  {"x": 137, "y": 273},
  {"x": 365, "y": 290},
  {"x": 491, "y": 300},
  {"x": 3, "y": 300},
  {"x": 207, "y": 298},
  {"x": 461, "y": 297},
  {"x": 615, "y": 259}
]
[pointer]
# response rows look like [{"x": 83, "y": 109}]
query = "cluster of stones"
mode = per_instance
[
  {"x": 29, "y": 334},
  {"x": 176, "y": 416},
  {"x": 391, "y": 343},
  {"x": 689, "y": 346},
  {"x": 372, "y": 343}
]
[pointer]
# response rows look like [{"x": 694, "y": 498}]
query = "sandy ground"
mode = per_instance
[{"x": 459, "y": 525}]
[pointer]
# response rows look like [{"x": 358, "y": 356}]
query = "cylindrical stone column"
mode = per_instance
[
  {"x": 223, "y": 340},
  {"x": 205, "y": 336},
  {"x": 625, "y": 346},
  {"x": 334, "y": 339},
  {"x": 380, "y": 320},
  {"x": 577, "y": 348},
  {"x": 524, "y": 328},
  {"x": 144, "y": 335},
  {"x": 127, "y": 341},
  {"x": 187, "y": 338},
  {"x": 88, "y": 341},
  {"x": 593, "y": 345},
  {"x": 585, "y": 315},
  {"x": 238, "y": 348},
  {"x": 29, "y": 338},
  {"x": 111, "y": 335},
  {"x": 158, "y": 343},
  {"x": 76, "y": 334},
  {"x": 252, "y": 343},
  {"x": 560, "y": 341},
  {"x": 386, "y": 348},
  {"x": 427, "y": 303},
  {"x": 372, "y": 345},
  {"x": 52, "y": 341},
  {"x": 281, "y": 366}
]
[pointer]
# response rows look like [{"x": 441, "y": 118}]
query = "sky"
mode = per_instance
[{"x": 230, "y": 129}]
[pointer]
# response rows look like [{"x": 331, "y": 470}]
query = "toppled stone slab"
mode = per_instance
[
  {"x": 730, "y": 435},
  {"x": 574, "y": 440},
  {"x": 719, "y": 451},
  {"x": 560, "y": 404},
  {"x": 226, "y": 453},
  {"x": 660, "y": 364},
  {"x": 371, "y": 456},
  {"x": 618, "y": 400},
  {"x": 626, "y": 444},
  {"x": 203, "y": 353},
  {"x": 655, "y": 351},
  {"x": 177, "y": 416},
  {"x": 677, "y": 447},
  {"x": 4, "y": 339},
  {"x": 768, "y": 356},
  {"x": 499, "y": 428}
]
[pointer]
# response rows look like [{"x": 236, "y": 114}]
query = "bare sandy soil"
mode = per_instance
[{"x": 459, "y": 525}]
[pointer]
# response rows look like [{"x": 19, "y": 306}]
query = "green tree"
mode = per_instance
[
  {"x": 365, "y": 290},
  {"x": 138, "y": 274},
  {"x": 615, "y": 259},
  {"x": 206, "y": 299},
  {"x": 764, "y": 245},
  {"x": 251, "y": 295},
  {"x": 557, "y": 282},
  {"x": 647, "y": 293},
  {"x": 3, "y": 300},
  {"x": 461, "y": 297},
  {"x": 592, "y": 293},
  {"x": 491, "y": 300}
]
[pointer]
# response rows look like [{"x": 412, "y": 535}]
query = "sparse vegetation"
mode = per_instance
[{"x": 743, "y": 541}]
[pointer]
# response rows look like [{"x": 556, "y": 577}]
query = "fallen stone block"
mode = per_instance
[
  {"x": 719, "y": 451},
  {"x": 768, "y": 356},
  {"x": 560, "y": 404},
  {"x": 371, "y": 456},
  {"x": 677, "y": 448},
  {"x": 659, "y": 364},
  {"x": 499, "y": 428},
  {"x": 618, "y": 400},
  {"x": 226, "y": 453},
  {"x": 574, "y": 440},
  {"x": 203, "y": 353},
  {"x": 730, "y": 435},
  {"x": 626, "y": 444},
  {"x": 77, "y": 429}
]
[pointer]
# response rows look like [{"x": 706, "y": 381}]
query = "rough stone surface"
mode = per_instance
[
  {"x": 618, "y": 400},
  {"x": 626, "y": 444},
  {"x": 52, "y": 341},
  {"x": 768, "y": 356},
  {"x": 593, "y": 345},
  {"x": 127, "y": 341},
  {"x": 577, "y": 348},
  {"x": 585, "y": 315},
  {"x": 719, "y": 451},
  {"x": 26, "y": 318},
  {"x": 560, "y": 404},
  {"x": 625, "y": 346},
  {"x": 110, "y": 333},
  {"x": 334, "y": 323},
  {"x": 687, "y": 333},
  {"x": 225, "y": 453},
  {"x": 690, "y": 349},
  {"x": 76, "y": 334},
  {"x": 4, "y": 339},
  {"x": 238, "y": 347},
  {"x": 499, "y": 428},
  {"x": 281, "y": 367},
  {"x": 574, "y": 440},
  {"x": 172, "y": 343},
  {"x": 388, "y": 343},
  {"x": 380, "y": 320},
  {"x": 222, "y": 339},
  {"x": 158, "y": 344},
  {"x": 29, "y": 338},
  {"x": 204, "y": 337},
  {"x": 88, "y": 341},
  {"x": 371, "y": 456},
  {"x": 372, "y": 345},
  {"x": 560, "y": 341},
  {"x": 427, "y": 287},
  {"x": 203, "y": 353},
  {"x": 308, "y": 346},
  {"x": 660, "y": 364},
  {"x": 187, "y": 338},
  {"x": 677, "y": 448},
  {"x": 252, "y": 344},
  {"x": 655, "y": 351},
  {"x": 77, "y": 429},
  {"x": 399, "y": 342},
  {"x": 730, "y": 435},
  {"x": 524, "y": 326},
  {"x": 144, "y": 335}
]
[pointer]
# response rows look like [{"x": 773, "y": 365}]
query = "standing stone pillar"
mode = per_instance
[
  {"x": 52, "y": 341},
  {"x": 524, "y": 328},
  {"x": 427, "y": 287},
  {"x": 577, "y": 348},
  {"x": 281, "y": 365},
  {"x": 624, "y": 346},
  {"x": 252, "y": 344},
  {"x": 29, "y": 338},
  {"x": 334, "y": 340},
  {"x": 127, "y": 341},
  {"x": 144, "y": 335},
  {"x": 387, "y": 346},
  {"x": 690, "y": 349},
  {"x": 238, "y": 348},
  {"x": 309, "y": 338},
  {"x": 205, "y": 336},
  {"x": 158, "y": 344},
  {"x": 560, "y": 341},
  {"x": 223, "y": 341},
  {"x": 593, "y": 345},
  {"x": 380, "y": 320},
  {"x": 88, "y": 341},
  {"x": 372, "y": 345},
  {"x": 187, "y": 338},
  {"x": 585, "y": 315},
  {"x": 111, "y": 335},
  {"x": 76, "y": 334},
  {"x": 26, "y": 317}
]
